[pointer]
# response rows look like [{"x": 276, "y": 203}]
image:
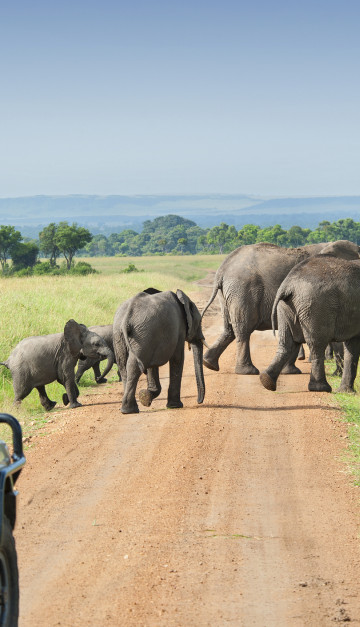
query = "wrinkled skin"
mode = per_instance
[
  {"x": 247, "y": 282},
  {"x": 39, "y": 360},
  {"x": 150, "y": 330},
  {"x": 106, "y": 332},
  {"x": 318, "y": 303}
]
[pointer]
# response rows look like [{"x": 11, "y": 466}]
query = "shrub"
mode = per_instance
[
  {"x": 130, "y": 268},
  {"x": 82, "y": 268}
]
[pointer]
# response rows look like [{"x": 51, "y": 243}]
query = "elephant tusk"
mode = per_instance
[{"x": 205, "y": 344}]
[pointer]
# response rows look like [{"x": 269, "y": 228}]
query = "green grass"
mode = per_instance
[
  {"x": 349, "y": 405},
  {"x": 41, "y": 305}
]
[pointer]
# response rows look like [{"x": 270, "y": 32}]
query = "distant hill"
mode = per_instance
[{"x": 109, "y": 214}]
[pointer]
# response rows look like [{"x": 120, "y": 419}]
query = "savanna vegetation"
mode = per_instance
[
  {"x": 38, "y": 305},
  {"x": 59, "y": 244}
]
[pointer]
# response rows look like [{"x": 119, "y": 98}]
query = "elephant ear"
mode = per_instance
[
  {"x": 73, "y": 334},
  {"x": 185, "y": 301}
]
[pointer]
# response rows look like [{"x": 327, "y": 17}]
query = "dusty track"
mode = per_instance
[{"x": 238, "y": 511}]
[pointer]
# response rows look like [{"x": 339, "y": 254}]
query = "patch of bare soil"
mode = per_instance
[{"x": 238, "y": 511}]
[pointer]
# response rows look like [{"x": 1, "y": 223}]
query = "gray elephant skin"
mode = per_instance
[
  {"x": 106, "y": 332},
  {"x": 319, "y": 303},
  {"x": 247, "y": 282},
  {"x": 39, "y": 360},
  {"x": 150, "y": 330}
]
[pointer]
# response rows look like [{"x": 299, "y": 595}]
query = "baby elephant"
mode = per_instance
[
  {"x": 150, "y": 330},
  {"x": 39, "y": 360},
  {"x": 106, "y": 332}
]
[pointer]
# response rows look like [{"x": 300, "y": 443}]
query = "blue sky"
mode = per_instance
[{"x": 160, "y": 97}]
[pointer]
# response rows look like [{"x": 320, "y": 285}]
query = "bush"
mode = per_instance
[
  {"x": 130, "y": 268},
  {"x": 82, "y": 268},
  {"x": 45, "y": 267}
]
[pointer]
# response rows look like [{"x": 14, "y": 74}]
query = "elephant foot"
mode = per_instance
[
  {"x": 75, "y": 405},
  {"x": 319, "y": 386},
  {"x": 246, "y": 369},
  {"x": 49, "y": 406},
  {"x": 291, "y": 369},
  {"x": 345, "y": 389},
  {"x": 337, "y": 373},
  {"x": 145, "y": 397},
  {"x": 174, "y": 405},
  {"x": 212, "y": 364},
  {"x": 133, "y": 409},
  {"x": 267, "y": 381},
  {"x": 101, "y": 380}
]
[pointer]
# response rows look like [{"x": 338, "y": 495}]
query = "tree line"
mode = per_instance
[{"x": 169, "y": 234}]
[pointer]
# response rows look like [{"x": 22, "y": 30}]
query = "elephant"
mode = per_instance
[
  {"x": 39, "y": 360},
  {"x": 247, "y": 282},
  {"x": 106, "y": 332},
  {"x": 149, "y": 330},
  {"x": 318, "y": 303}
]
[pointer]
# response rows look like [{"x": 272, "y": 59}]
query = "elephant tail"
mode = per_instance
[
  {"x": 128, "y": 336},
  {"x": 283, "y": 293},
  {"x": 4, "y": 363},
  {"x": 217, "y": 286}
]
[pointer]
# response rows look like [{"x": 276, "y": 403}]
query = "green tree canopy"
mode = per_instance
[
  {"x": 9, "y": 239},
  {"x": 47, "y": 242},
  {"x": 70, "y": 239},
  {"x": 24, "y": 255}
]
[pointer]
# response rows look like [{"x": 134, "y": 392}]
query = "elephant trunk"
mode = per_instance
[
  {"x": 197, "y": 348},
  {"x": 110, "y": 363}
]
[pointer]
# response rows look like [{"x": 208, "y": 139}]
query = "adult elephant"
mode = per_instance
[
  {"x": 39, "y": 360},
  {"x": 150, "y": 330},
  {"x": 247, "y": 282},
  {"x": 106, "y": 332},
  {"x": 318, "y": 303}
]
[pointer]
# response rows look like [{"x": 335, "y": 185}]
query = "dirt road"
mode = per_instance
[{"x": 235, "y": 512}]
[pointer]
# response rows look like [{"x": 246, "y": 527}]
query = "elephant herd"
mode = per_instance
[
  {"x": 148, "y": 331},
  {"x": 310, "y": 294}
]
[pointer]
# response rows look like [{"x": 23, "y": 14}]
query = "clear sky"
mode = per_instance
[{"x": 190, "y": 96}]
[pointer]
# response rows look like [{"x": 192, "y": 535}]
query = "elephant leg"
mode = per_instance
[
  {"x": 244, "y": 363},
  {"x": 211, "y": 356},
  {"x": 71, "y": 394},
  {"x": 176, "y": 370},
  {"x": 97, "y": 373},
  {"x": 301, "y": 355},
  {"x": 318, "y": 382},
  {"x": 21, "y": 389},
  {"x": 284, "y": 354},
  {"x": 44, "y": 399},
  {"x": 133, "y": 372},
  {"x": 351, "y": 359},
  {"x": 153, "y": 387}
]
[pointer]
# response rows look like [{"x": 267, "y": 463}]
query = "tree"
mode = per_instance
[
  {"x": 9, "y": 238},
  {"x": 70, "y": 239},
  {"x": 24, "y": 255},
  {"x": 48, "y": 245}
]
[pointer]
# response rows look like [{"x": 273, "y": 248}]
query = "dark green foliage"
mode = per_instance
[
  {"x": 9, "y": 239},
  {"x": 130, "y": 268},
  {"x": 82, "y": 268},
  {"x": 24, "y": 255}
]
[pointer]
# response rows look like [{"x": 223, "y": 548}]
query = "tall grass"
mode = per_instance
[
  {"x": 42, "y": 305},
  {"x": 349, "y": 404}
]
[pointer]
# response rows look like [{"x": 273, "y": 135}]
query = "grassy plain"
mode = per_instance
[{"x": 41, "y": 305}]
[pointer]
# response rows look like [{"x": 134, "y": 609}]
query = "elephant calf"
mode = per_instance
[
  {"x": 106, "y": 332},
  {"x": 150, "y": 330},
  {"x": 318, "y": 303},
  {"x": 39, "y": 360}
]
